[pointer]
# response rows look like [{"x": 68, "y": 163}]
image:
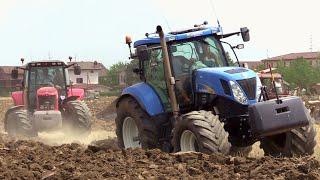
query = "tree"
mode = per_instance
[
  {"x": 112, "y": 78},
  {"x": 299, "y": 74}
]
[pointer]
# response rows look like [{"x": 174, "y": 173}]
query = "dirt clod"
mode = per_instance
[{"x": 53, "y": 156}]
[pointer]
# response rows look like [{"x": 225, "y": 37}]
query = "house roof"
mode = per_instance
[
  {"x": 8, "y": 69},
  {"x": 268, "y": 75},
  {"x": 88, "y": 65},
  {"x": 293, "y": 56}
]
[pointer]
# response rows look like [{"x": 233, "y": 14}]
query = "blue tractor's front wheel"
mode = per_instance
[{"x": 200, "y": 131}]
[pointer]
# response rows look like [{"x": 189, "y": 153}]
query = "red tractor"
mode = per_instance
[
  {"x": 281, "y": 86},
  {"x": 47, "y": 101}
]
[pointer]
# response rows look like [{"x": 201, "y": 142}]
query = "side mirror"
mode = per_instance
[
  {"x": 77, "y": 70},
  {"x": 239, "y": 46},
  {"x": 245, "y": 34},
  {"x": 14, "y": 73},
  {"x": 142, "y": 52}
]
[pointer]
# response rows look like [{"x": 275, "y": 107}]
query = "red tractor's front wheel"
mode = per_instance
[
  {"x": 77, "y": 117},
  {"x": 19, "y": 124}
]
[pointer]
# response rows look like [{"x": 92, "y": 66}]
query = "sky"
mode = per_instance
[{"x": 96, "y": 29}]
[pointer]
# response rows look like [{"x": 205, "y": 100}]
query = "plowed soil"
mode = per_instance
[{"x": 54, "y": 156}]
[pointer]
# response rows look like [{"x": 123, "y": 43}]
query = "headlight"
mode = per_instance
[
  {"x": 238, "y": 93},
  {"x": 259, "y": 85}
]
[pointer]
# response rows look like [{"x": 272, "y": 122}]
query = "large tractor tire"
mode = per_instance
[
  {"x": 200, "y": 131},
  {"x": 297, "y": 142},
  {"x": 134, "y": 128},
  {"x": 18, "y": 124},
  {"x": 77, "y": 118}
]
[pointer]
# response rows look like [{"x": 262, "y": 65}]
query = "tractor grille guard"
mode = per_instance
[
  {"x": 249, "y": 87},
  {"x": 47, "y": 102}
]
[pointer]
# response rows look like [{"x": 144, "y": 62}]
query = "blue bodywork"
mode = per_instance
[
  {"x": 146, "y": 97},
  {"x": 171, "y": 37},
  {"x": 207, "y": 78}
]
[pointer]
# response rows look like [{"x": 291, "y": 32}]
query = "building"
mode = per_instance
[
  {"x": 90, "y": 72},
  {"x": 6, "y": 81},
  {"x": 312, "y": 57},
  {"x": 251, "y": 64}
]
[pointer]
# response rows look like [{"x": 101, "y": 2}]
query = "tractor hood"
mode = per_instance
[
  {"x": 218, "y": 81},
  {"x": 227, "y": 73}
]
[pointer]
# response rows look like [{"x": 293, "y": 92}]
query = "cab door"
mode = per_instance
[
  {"x": 154, "y": 76},
  {"x": 182, "y": 59}
]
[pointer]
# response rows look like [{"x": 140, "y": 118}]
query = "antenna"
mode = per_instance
[
  {"x": 311, "y": 43},
  {"x": 214, "y": 12},
  {"x": 167, "y": 22}
]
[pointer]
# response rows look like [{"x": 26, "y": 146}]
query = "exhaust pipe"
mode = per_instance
[{"x": 170, "y": 81}]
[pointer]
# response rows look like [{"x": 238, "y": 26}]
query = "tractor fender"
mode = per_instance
[
  {"x": 17, "y": 97},
  {"x": 11, "y": 109},
  {"x": 76, "y": 92},
  {"x": 145, "y": 96}
]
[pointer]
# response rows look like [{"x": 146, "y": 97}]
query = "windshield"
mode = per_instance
[
  {"x": 42, "y": 76},
  {"x": 46, "y": 76},
  {"x": 197, "y": 53}
]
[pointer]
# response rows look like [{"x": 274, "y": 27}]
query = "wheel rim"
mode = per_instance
[
  {"x": 188, "y": 141},
  {"x": 130, "y": 133}
]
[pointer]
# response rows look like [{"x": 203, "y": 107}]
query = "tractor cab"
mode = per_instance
[{"x": 44, "y": 81}]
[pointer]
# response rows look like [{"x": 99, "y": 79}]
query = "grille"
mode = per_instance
[
  {"x": 47, "y": 102},
  {"x": 249, "y": 87},
  {"x": 226, "y": 87}
]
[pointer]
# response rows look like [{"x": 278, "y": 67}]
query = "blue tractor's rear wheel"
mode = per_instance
[{"x": 133, "y": 126}]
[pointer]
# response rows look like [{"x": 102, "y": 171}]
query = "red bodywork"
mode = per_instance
[
  {"x": 45, "y": 92},
  {"x": 17, "y": 98},
  {"x": 76, "y": 92}
]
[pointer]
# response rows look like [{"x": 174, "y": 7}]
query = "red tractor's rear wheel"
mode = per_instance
[
  {"x": 18, "y": 123},
  {"x": 77, "y": 117}
]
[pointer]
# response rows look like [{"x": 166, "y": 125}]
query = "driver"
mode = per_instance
[
  {"x": 209, "y": 56},
  {"x": 45, "y": 78},
  {"x": 58, "y": 78}
]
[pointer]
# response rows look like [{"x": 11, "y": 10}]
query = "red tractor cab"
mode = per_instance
[
  {"x": 47, "y": 101},
  {"x": 280, "y": 85}
]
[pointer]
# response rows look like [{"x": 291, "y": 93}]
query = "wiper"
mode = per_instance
[{"x": 205, "y": 42}]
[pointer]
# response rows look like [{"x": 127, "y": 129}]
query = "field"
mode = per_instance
[{"x": 57, "y": 156}]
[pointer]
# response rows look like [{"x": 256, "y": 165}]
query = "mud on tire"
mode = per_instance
[
  {"x": 240, "y": 151},
  {"x": 77, "y": 117},
  {"x": 209, "y": 132},
  {"x": 147, "y": 130},
  {"x": 297, "y": 142},
  {"x": 18, "y": 123}
]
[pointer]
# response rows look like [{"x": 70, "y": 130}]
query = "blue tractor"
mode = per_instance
[{"x": 193, "y": 97}]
